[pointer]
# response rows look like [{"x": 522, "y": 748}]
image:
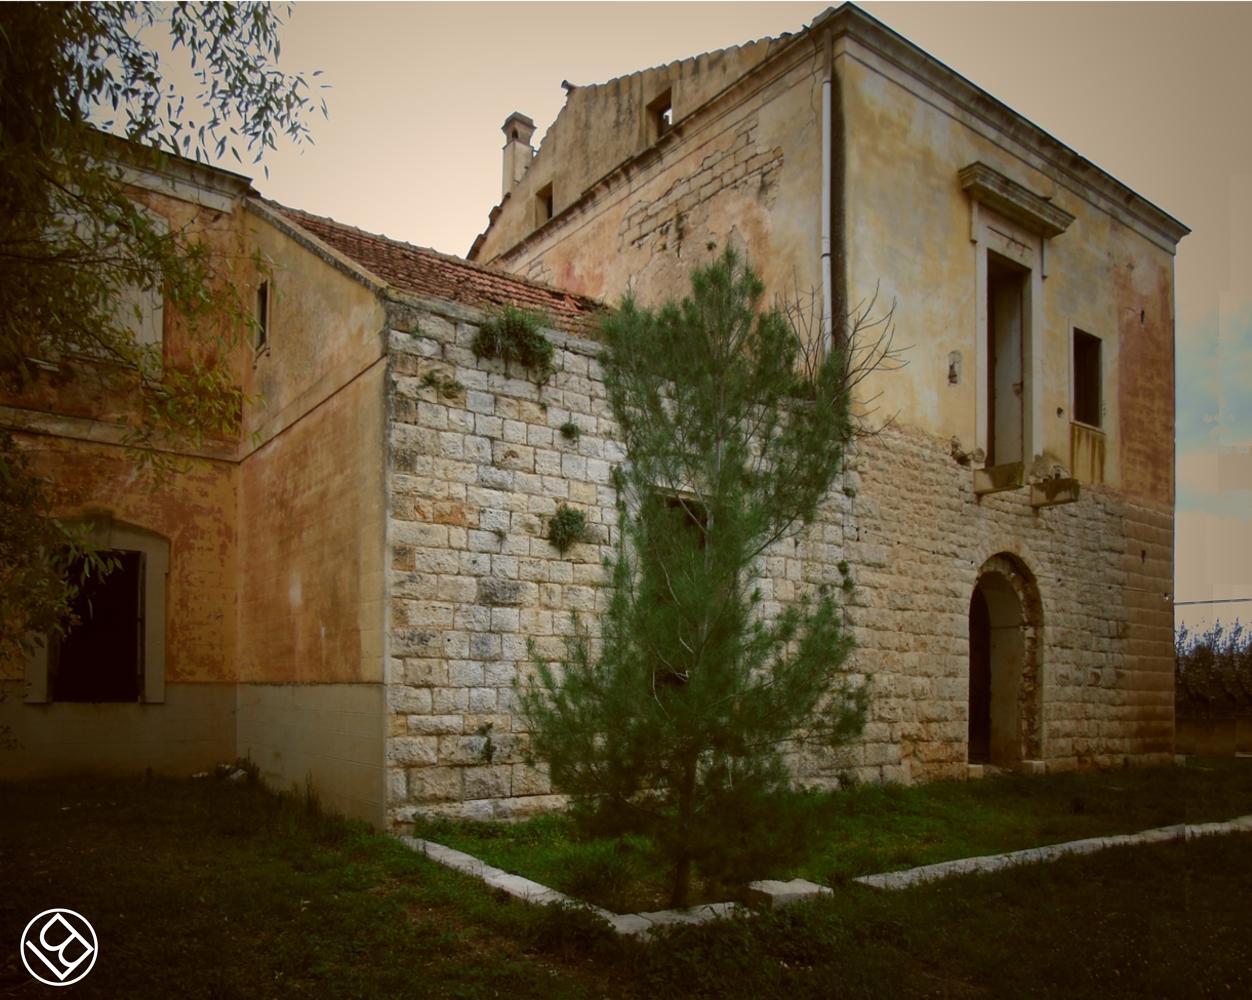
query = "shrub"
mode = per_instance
[
  {"x": 514, "y": 335},
  {"x": 1213, "y": 671},
  {"x": 567, "y": 526}
]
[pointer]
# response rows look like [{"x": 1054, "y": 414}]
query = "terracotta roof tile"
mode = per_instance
[{"x": 434, "y": 275}]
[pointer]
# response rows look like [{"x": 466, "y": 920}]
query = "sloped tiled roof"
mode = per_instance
[{"x": 435, "y": 275}]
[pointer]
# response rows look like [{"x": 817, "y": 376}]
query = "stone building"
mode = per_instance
[
  {"x": 256, "y": 577},
  {"x": 1012, "y": 530},
  {"x": 349, "y": 587}
]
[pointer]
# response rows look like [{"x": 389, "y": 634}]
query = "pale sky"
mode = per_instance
[{"x": 1156, "y": 94}]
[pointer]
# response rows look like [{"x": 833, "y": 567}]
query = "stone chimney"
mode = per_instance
[{"x": 517, "y": 149}]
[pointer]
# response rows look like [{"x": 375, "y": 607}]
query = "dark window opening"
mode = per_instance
[
  {"x": 100, "y": 658},
  {"x": 660, "y": 117},
  {"x": 543, "y": 205},
  {"x": 262, "y": 315},
  {"x": 1088, "y": 401},
  {"x": 1006, "y": 318}
]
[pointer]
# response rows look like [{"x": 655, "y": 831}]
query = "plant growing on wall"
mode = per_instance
[
  {"x": 674, "y": 724},
  {"x": 566, "y": 527},
  {"x": 515, "y": 335}
]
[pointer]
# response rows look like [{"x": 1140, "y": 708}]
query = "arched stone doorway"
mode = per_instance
[{"x": 1005, "y": 618}]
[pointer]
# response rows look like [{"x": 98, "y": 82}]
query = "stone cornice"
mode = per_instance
[{"x": 1084, "y": 177}]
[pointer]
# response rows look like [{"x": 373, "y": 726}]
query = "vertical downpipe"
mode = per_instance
[
  {"x": 827, "y": 303},
  {"x": 826, "y": 306}
]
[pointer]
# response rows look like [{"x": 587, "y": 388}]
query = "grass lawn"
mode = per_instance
[
  {"x": 878, "y": 828},
  {"x": 214, "y": 889}
]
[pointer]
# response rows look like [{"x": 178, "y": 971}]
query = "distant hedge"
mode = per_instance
[{"x": 1213, "y": 672}]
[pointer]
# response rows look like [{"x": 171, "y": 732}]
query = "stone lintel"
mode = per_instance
[{"x": 1013, "y": 200}]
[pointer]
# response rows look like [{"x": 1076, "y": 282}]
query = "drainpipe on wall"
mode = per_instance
[{"x": 828, "y": 320}]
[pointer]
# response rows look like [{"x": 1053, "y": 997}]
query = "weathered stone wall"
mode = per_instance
[
  {"x": 474, "y": 474},
  {"x": 743, "y": 172}
]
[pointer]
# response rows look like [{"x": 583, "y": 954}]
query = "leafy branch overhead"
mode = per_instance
[{"x": 102, "y": 286}]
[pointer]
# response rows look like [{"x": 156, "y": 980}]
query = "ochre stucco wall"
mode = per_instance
[
  {"x": 311, "y": 493},
  {"x": 193, "y": 509},
  {"x": 908, "y": 224},
  {"x": 311, "y": 543}
]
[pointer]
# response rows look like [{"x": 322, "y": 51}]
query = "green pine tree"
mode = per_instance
[{"x": 675, "y": 722}]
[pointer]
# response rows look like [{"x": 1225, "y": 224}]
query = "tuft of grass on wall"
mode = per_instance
[{"x": 515, "y": 335}]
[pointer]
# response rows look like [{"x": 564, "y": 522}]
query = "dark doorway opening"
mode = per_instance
[
  {"x": 101, "y": 657},
  {"x": 979, "y": 679}
]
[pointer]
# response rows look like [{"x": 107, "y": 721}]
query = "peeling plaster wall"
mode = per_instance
[
  {"x": 274, "y": 610},
  {"x": 311, "y": 536},
  {"x": 604, "y": 125},
  {"x": 73, "y": 433},
  {"x": 909, "y": 223},
  {"x": 746, "y": 174}
]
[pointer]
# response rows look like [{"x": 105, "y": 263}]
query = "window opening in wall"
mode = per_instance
[
  {"x": 679, "y": 524},
  {"x": 262, "y": 315},
  {"x": 101, "y": 657},
  {"x": 1006, "y": 319},
  {"x": 660, "y": 117},
  {"x": 543, "y": 205},
  {"x": 1088, "y": 395}
]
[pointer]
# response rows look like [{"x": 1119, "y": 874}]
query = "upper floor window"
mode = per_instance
[
  {"x": 1088, "y": 403},
  {"x": 543, "y": 205},
  {"x": 660, "y": 117},
  {"x": 262, "y": 316}
]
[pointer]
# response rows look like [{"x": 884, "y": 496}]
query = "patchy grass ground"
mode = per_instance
[
  {"x": 878, "y": 828},
  {"x": 212, "y": 889}
]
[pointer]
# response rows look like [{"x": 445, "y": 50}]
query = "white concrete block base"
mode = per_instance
[
  {"x": 772, "y": 893},
  {"x": 633, "y": 924},
  {"x": 1038, "y": 855}
]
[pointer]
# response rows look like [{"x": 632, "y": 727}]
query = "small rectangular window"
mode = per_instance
[
  {"x": 262, "y": 315},
  {"x": 1088, "y": 390},
  {"x": 660, "y": 117},
  {"x": 543, "y": 205}
]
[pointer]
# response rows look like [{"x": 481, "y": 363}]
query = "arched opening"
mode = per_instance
[{"x": 1004, "y": 622}]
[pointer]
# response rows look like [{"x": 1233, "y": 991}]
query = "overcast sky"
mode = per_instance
[{"x": 1154, "y": 94}]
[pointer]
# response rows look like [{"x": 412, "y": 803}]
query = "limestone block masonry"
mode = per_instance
[{"x": 477, "y": 463}]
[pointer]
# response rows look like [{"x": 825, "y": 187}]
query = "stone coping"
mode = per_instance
[
  {"x": 1038, "y": 855},
  {"x": 773, "y": 893},
  {"x": 635, "y": 924}
]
